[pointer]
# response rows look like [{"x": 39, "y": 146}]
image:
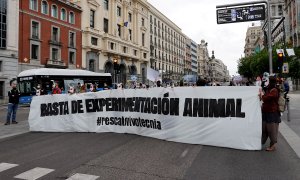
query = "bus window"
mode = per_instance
[{"x": 26, "y": 87}]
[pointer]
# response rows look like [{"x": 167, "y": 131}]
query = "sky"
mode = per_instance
[{"x": 197, "y": 20}]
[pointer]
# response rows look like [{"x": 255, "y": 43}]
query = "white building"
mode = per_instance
[
  {"x": 194, "y": 57},
  {"x": 167, "y": 45},
  {"x": 9, "y": 10},
  {"x": 116, "y": 31},
  {"x": 203, "y": 60},
  {"x": 252, "y": 35},
  {"x": 218, "y": 70}
]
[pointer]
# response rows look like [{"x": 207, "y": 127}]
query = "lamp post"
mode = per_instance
[{"x": 116, "y": 69}]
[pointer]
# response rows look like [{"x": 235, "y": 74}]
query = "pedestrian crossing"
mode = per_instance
[{"x": 39, "y": 172}]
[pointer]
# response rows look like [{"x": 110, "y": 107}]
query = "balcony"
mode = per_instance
[
  {"x": 55, "y": 63},
  {"x": 92, "y": 30},
  {"x": 35, "y": 37},
  {"x": 54, "y": 42}
]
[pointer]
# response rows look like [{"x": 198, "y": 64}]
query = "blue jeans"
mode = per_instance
[{"x": 11, "y": 110}]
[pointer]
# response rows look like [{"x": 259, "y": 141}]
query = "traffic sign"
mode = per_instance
[
  {"x": 285, "y": 68},
  {"x": 241, "y": 14}
]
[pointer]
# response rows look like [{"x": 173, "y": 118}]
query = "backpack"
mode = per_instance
[{"x": 281, "y": 102}]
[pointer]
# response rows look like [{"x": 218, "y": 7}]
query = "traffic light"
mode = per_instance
[
  {"x": 280, "y": 61},
  {"x": 280, "y": 56}
]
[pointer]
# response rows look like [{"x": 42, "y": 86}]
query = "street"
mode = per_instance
[{"x": 124, "y": 156}]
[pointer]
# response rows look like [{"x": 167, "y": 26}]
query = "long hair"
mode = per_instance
[{"x": 272, "y": 82}]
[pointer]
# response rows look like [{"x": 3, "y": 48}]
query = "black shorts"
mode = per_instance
[{"x": 271, "y": 117}]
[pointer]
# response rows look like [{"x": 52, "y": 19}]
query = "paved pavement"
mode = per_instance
[{"x": 14, "y": 129}]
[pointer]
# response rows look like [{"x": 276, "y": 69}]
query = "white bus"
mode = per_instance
[{"x": 45, "y": 77}]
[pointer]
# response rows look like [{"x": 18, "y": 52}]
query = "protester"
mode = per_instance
[
  {"x": 201, "y": 82},
  {"x": 13, "y": 102},
  {"x": 270, "y": 114},
  {"x": 71, "y": 90},
  {"x": 286, "y": 87},
  {"x": 158, "y": 84},
  {"x": 83, "y": 88},
  {"x": 105, "y": 87},
  {"x": 56, "y": 89},
  {"x": 78, "y": 88}
]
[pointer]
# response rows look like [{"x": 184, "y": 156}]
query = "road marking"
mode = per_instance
[
  {"x": 291, "y": 137},
  {"x": 34, "y": 173},
  {"x": 6, "y": 166},
  {"x": 78, "y": 176},
  {"x": 184, "y": 153}
]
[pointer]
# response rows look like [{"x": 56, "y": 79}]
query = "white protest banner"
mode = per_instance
[
  {"x": 152, "y": 74},
  {"x": 217, "y": 116}
]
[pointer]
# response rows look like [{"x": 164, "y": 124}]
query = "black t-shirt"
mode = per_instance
[{"x": 14, "y": 95}]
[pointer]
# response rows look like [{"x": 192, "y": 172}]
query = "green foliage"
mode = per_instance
[{"x": 258, "y": 63}]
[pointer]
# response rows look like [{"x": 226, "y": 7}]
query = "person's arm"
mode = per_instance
[{"x": 271, "y": 95}]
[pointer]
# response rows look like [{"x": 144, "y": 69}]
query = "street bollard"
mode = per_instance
[{"x": 288, "y": 108}]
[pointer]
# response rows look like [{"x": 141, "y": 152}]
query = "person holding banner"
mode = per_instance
[{"x": 270, "y": 114}]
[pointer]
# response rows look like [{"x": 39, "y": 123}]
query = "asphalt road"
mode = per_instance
[{"x": 125, "y": 156}]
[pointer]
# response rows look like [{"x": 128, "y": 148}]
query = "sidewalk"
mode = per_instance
[
  {"x": 13, "y": 129},
  {"x": 290, "y": 130}
]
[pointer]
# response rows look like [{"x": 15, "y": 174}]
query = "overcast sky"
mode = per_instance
[{"x": 197, "y": 19}]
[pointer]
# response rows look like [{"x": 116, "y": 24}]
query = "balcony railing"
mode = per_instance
[
  {"x": 55, "y": 63},
  {"x": 35, "y": 36},
  {"x": 54, "y": 42}
]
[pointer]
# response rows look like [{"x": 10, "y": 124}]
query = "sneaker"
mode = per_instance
[
  {"x": 14, "y": 122},
  {"x": 7, "y": 123}
]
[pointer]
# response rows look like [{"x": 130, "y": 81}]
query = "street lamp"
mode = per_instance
[{"x": 116, "y": 69}]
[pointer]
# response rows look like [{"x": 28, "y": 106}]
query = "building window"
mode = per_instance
[
  {"x": 92, "y": 18},
  {"x": 35, "y": 30},
  {"x": 124, "y": 49},
  {"x": 94, "y": 41},
  {"x": 72, "y": 57},
  {"x": 55, "y": 34},
  {"x": 54, "y": 12},
  {"x": 71, "y": 18},
  {"x": 72, "y": 39},
  {"x": 34, "y": 51},
  {"x": 118, "y": 11},
  {"x": 130, "y": 34},
  {"x": 273, "y": 10},
  {"x": 143, "y": 39},
  {"x": 105, "y": 25},
  {"x": 92, "y": 65},
  {"x": 112, "y": 46},
  {"x": 63, "y": 14},
  {"x": 145, "y": 55},
  {"x": 119, "y": 30},
  {"x": 129, "y": 17},
  {"x": 33, "y": 5},
  {"x": 3, "y": 11},
  {"x": 280, "y": 12},
  {"x": 44, "y": 7},
  {"x": 1, "y": 89},
  {"x": 54, "y": 54},
  {"x": 0, "y": 66},
  {"x": 143, "y": 22},
  {"x": 135, "y": 52},
  {"x": 106, "y": 4}
]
